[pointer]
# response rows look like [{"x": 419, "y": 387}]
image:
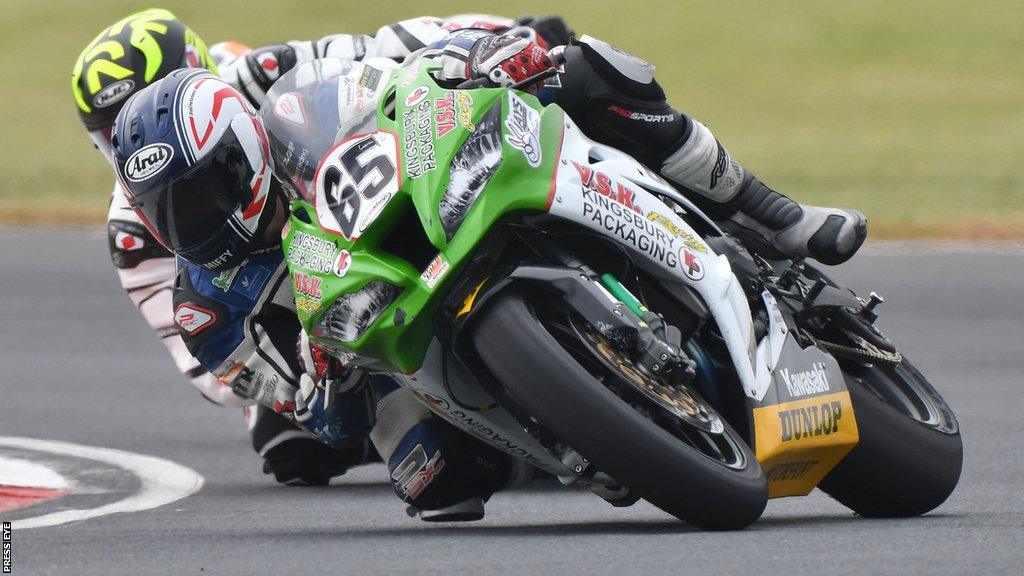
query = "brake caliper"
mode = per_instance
[{"x": 657, "y": 343}]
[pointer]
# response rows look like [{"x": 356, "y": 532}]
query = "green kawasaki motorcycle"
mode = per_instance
[{"x": 555, "y": 299}]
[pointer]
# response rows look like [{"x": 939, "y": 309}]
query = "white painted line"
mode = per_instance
[
  {"x": 17, "y": 472},
  {"x": 938, "y": 247},
  {"x": 163, "y": 481}
]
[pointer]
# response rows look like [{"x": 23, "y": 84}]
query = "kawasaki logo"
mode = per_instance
[
  {"x": 813, "y": 381},
  {"x": 147, "y": 161}
]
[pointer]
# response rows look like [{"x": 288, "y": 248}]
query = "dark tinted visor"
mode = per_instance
[{"x": 195, "y": 206}]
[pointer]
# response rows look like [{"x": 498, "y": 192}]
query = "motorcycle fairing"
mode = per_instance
[
  {"x": 805, "y": 424},
  {"x": 449, "y": 389},
  {"x": 603, "y": 189}
]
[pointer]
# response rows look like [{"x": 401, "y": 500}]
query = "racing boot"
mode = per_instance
[
  {"x": 778, "y": 227},
  {"x": 768, "y": 222},
  {"x": 615, "y": 99}
]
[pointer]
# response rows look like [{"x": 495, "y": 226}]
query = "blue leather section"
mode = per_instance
[
  {"x": 430, "y": 433},
  {"x": 236, "y": 292}
]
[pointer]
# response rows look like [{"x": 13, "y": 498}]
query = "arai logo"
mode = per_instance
[
  {"x": 114, "y": 93},
  {"x": 147, "y": 161}
]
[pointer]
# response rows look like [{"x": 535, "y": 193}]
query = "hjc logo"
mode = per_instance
[{"x": 114, "y": 93}]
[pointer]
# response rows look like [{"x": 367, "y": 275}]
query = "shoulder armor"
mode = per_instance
[{"x": 626, "y": 64}]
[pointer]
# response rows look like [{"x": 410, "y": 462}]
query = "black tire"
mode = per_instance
[
  {"x": 562, "y": 395},
  {"x": 903, "y": 465}
]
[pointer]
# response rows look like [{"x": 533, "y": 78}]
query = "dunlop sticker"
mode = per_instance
[{"x": 799, "y": 442}]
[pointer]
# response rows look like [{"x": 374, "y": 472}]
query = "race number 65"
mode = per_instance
[{"x": 355, "y": 181}]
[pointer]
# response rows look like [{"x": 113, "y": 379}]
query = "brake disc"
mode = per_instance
[{"x": 678, "y": 400}]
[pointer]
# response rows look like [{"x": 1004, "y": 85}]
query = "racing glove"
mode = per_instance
[
  {"x": 507, "y": 60},
  {"x": 294, "y": 457},
  {"x": 333, "y": 402},
  {"x": 307, "y": 462}
]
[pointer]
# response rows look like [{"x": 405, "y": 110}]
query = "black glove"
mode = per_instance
[
  {"x": 309, "y": 462},
  {"x": 297, "y": 459}
]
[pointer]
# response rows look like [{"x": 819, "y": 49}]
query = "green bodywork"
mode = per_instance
[{"x": 399, "y": 338}]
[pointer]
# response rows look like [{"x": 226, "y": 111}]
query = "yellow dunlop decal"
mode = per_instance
[
  {"x": 798, "y": 442},
  {"x": 100, "y": 56}
]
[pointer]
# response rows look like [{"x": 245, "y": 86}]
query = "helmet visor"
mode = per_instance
[{"x": 192, "y": 209}]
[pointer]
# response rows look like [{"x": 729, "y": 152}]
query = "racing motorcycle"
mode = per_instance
[{"x": 554, "y": 298}]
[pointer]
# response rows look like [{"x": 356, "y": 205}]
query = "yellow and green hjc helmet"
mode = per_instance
[{"x": 126, "y": 57}]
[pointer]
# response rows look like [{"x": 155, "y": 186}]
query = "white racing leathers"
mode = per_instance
[{"x": 254, "y": 73}]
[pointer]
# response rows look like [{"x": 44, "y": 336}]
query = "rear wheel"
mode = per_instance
[
  {"x": 910, "y": 454},
  {"x": 659, "y": 439}
]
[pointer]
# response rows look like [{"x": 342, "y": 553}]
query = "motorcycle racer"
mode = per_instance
[
  {"x": 142, "y": 48},
  {"x": 615, "y": 99},
  {"x": 220, "y": 174},
  {"x": 127, "y": 56}
]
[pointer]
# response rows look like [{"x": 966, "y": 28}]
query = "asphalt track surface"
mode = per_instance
[{"x": 79, "y": 365}]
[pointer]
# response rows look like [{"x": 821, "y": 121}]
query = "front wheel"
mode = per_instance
[
  {"x": 663, "y": 442},
  {"x": 910, "y": 453}
]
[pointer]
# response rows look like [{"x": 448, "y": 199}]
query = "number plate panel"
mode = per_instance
[{"x": 355, "y": 181}]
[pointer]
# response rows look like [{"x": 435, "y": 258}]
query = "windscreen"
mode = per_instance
[{"x": 312, "y": 107}]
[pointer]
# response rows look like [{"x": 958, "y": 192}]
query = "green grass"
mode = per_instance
[{"x": 912, "y": 111}]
